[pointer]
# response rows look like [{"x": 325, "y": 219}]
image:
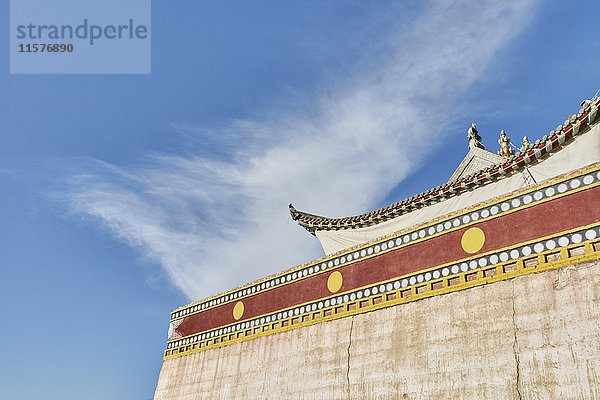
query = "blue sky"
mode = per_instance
[{"x": 126, "y": 196}]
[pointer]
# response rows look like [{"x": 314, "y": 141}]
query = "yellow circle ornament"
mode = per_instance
[
  {"x": 238, "y": 310},
  {"x": 472, "y": 240},
  {"x": 334, "y": 282}
]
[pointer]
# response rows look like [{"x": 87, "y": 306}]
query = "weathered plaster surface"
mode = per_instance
[{"x": 533, "y": 337}]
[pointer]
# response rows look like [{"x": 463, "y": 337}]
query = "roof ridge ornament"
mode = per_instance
[
  {"x": 505, "y": 150},
  {"x": 474, "y": 138},
  {"x": 526, "y": 144},
  {"x": 294, "y": 213}
]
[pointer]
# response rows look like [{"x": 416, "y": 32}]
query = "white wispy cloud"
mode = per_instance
[{"x": 216, "y": 222}]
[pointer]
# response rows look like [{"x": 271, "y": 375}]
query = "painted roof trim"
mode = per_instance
[{"x": 561, "y": 136}]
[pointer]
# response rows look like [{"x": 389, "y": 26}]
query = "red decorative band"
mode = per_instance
[{"x": 562, "y": 206}]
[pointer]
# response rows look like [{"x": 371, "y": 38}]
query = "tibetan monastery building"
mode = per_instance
[{"x": 486, "y": 287}]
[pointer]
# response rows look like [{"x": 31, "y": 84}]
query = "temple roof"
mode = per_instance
[{"x": 478, "y": 168}]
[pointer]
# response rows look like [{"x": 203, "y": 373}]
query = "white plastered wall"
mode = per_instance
[{"x": 584, "y": 150}]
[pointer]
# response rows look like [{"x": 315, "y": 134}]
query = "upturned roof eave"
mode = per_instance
[{"x": 536, "y": 152}]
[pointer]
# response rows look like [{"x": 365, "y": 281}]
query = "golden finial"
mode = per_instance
[
  {"x": 525, "y": 144},
  {"x": 504, "y": 141}
]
